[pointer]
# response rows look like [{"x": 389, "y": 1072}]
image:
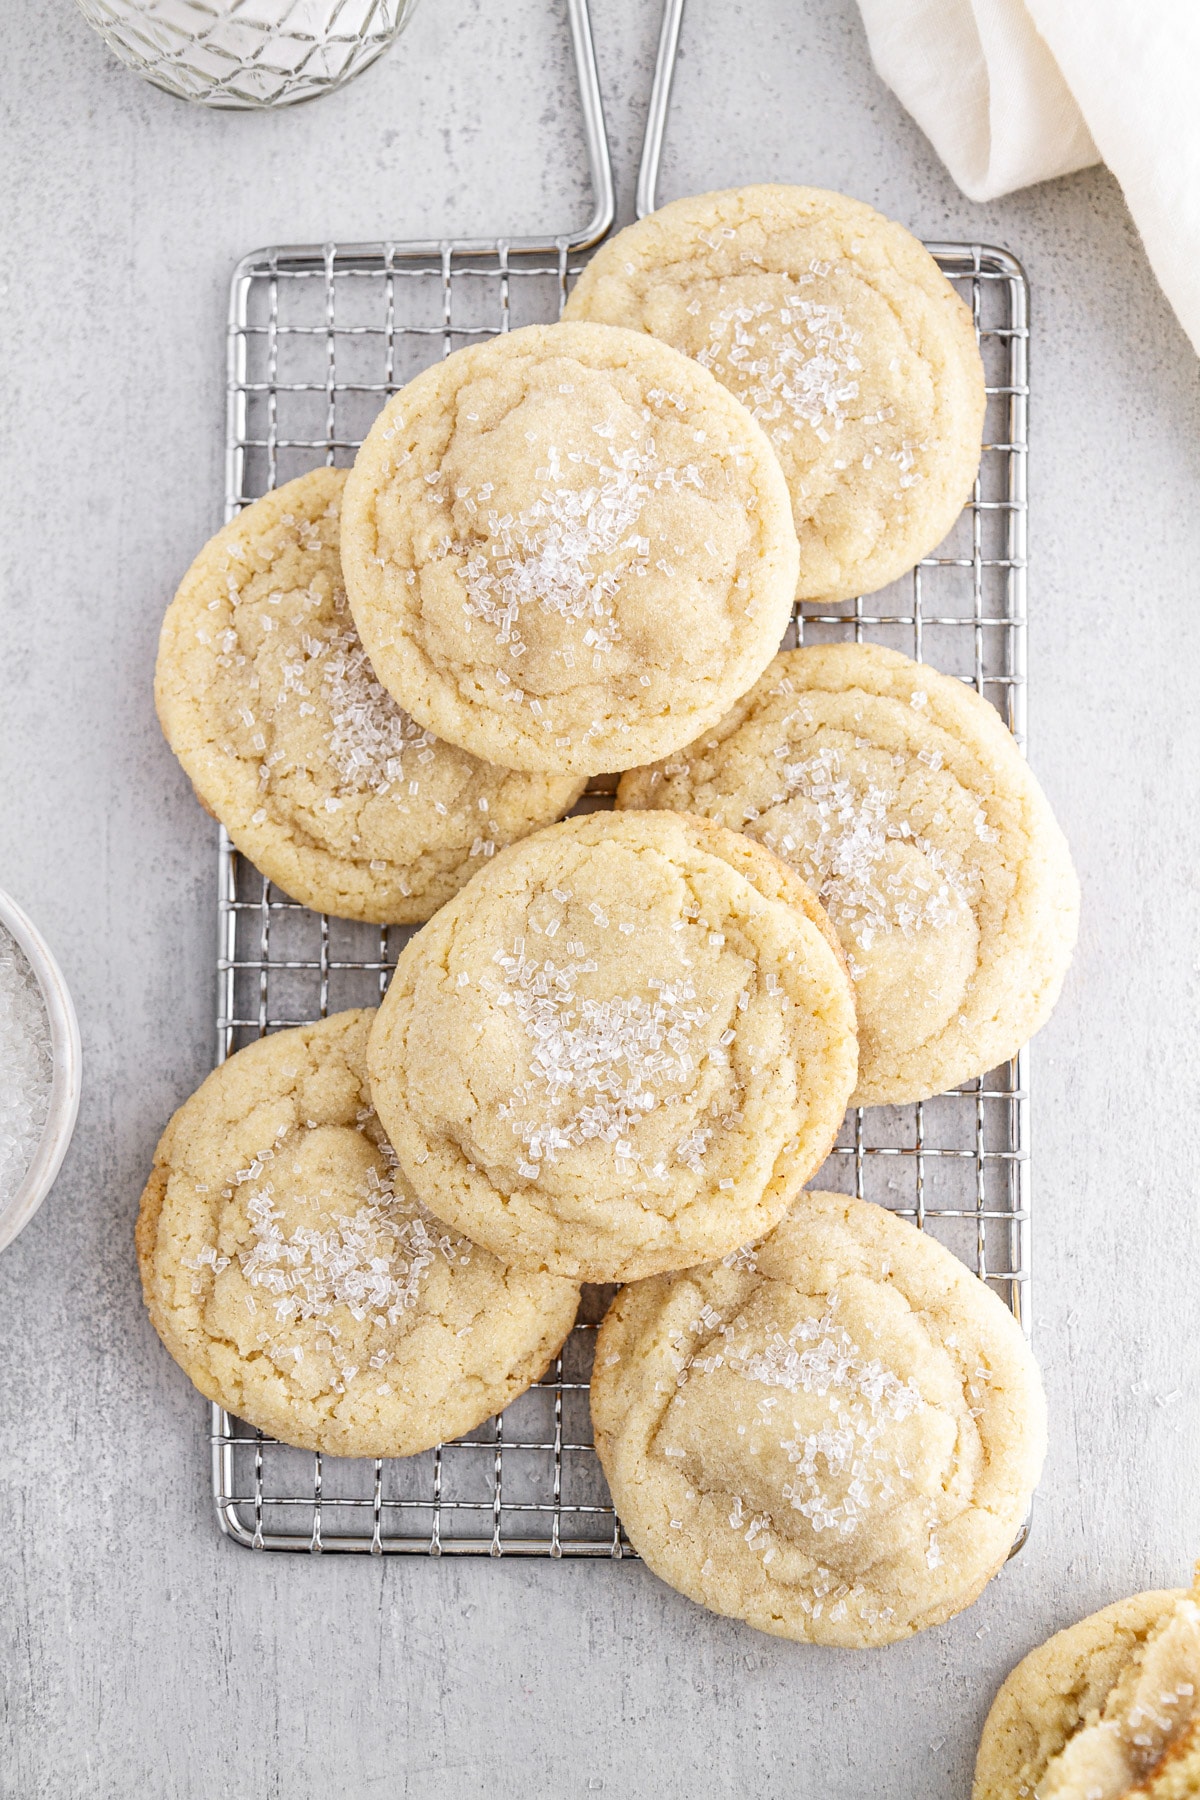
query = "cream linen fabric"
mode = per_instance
[{"x": 1016, "y": 91}]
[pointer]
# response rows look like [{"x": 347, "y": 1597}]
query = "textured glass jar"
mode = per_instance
[{"x": 245, "y": 54}]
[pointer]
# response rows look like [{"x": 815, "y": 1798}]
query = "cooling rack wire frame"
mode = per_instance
[{"x": 319, "y": 337}]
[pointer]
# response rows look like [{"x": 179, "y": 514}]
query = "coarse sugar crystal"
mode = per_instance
[{"x": 26, "y": 1065}]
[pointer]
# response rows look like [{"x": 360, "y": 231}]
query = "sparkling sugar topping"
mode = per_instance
[
  {"x": 372, "y": 1261},
  {"x": 848, "y": 845},
  {"x": 792, "y": 365},
  {"x": 26, "y": 1065},
  {"x": 612, "y": 1057},
  {"x": 369, "y": 732},
  {"x": 844, "y": 1467},
  {"x": 571, "y": 550},
  {"x": 863, "y": 1398}
]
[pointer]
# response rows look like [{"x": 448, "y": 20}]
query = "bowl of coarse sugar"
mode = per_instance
[{"x": 40, "y": 1066}]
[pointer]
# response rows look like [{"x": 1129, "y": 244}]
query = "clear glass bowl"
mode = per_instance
[
  {"x": 247, "y": 54},
  {"x": 19, "y": 1208}
]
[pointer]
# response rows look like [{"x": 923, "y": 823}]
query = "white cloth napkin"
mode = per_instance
[{"x": 1016, "y": 91}]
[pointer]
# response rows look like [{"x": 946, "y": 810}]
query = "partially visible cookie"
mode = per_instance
[
  {"x": 296, "y": 1280},
  {"x": 833, "y": 1434},
  {"x": 623, "y": 1047},
  {"x": 900, "y": 797},
  {"x": 568, "y": 548},
  {"x": 1108, "y": 1709},
  {"x": 843, "y": 337},
  {"x": 329, "y": 787}
]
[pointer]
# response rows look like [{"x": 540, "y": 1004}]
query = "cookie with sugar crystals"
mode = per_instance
[
  {"x": 1108, "y": 1709},
  {"x": 568, "y": 548},
  {"x": 268, "y": 700},
  {"x": 833, "y": 1434},
  {"x": 298, "y": 1282},
  {"x": 622, "y": 1048},
  {"x": 900, "y": 796},
  {"x": 843, "y": 337}
]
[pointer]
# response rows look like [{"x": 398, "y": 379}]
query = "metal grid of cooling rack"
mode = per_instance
[{"x": 318, "y": 339}]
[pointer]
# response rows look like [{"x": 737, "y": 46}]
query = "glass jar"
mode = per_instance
[{"x": 247, "y": 54}]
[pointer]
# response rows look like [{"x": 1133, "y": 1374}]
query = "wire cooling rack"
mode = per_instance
[{"x": 318, "y": 339}]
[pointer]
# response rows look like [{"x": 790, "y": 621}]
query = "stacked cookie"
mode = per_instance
[
  {"x": 623, "y": 1042},
  {"x": 291, "y": 1271},
  {"x": 833, "y": 1434}
]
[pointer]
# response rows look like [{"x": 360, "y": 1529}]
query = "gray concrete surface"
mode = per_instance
[{"x": 139, "y": 1654}]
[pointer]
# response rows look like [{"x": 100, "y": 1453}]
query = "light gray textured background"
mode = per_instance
[{"x": 139, "y": 1654}]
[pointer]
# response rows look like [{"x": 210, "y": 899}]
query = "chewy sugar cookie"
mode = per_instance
[
  {"x": 1107, "y": 1710},
  {"x": 622, "y": 1048},
  {"x": 833, "y": 1434},
  {"x": 268, "y": 700},
  {"x": 296, "y": 1280},
  {"x": 901, "y": 798},
  {"x": 568, "y": 548},
  {"x": 843, "y": 337}
]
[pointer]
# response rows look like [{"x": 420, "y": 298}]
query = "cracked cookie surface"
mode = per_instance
[
  {"x": 268, "y": 700},
  {"x": 843, "y": 337},
  {"x": 1108, "y": 1709},
  {"x": 902, "y": 799},
  {"x": 623, "y": 1047},
  {"x": 297, "y": 1281},
  {"x": 833, "y": 1434},
  {"x": 567, "y": 545}
]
